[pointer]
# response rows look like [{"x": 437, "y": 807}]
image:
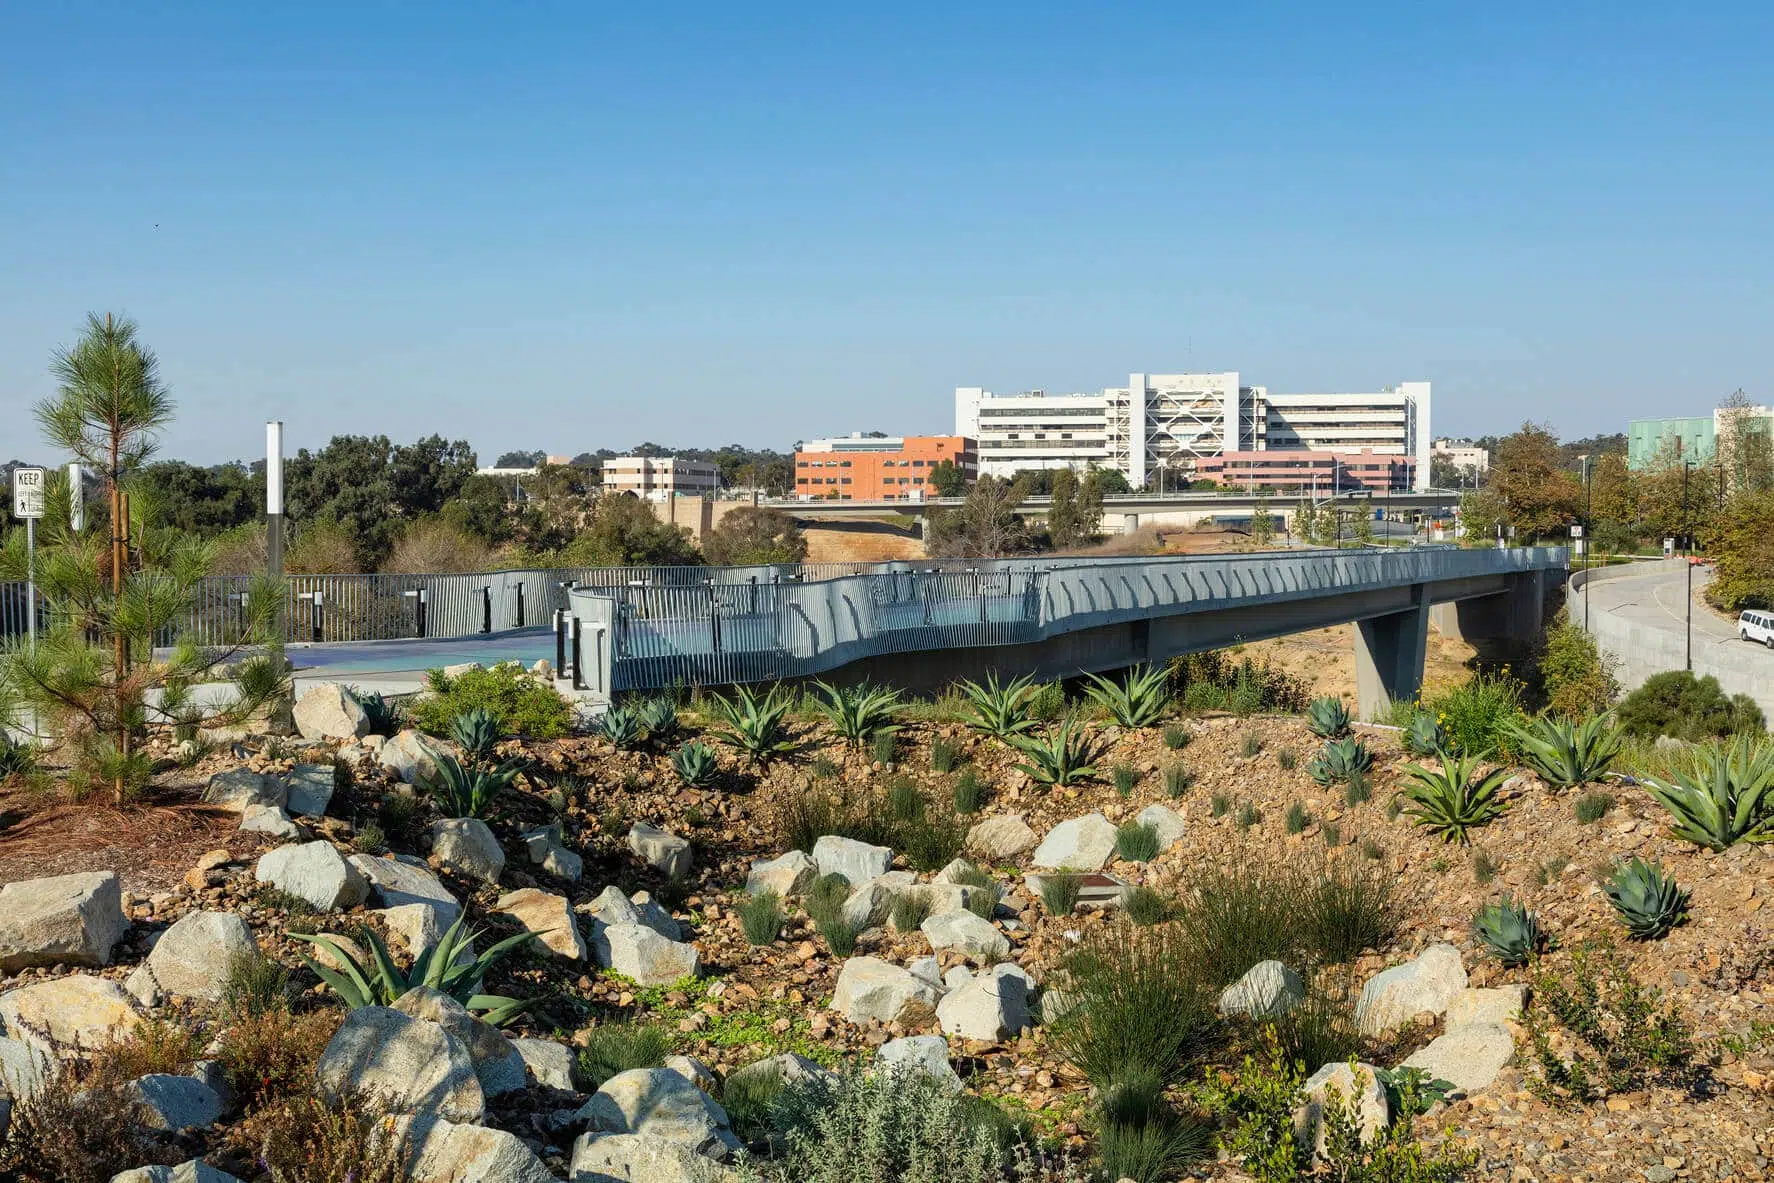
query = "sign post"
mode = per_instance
[{"x": 28, "y": 485}]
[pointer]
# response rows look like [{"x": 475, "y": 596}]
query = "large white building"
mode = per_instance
[
  {"x": 659, "y": 478},
  {"x": 1169, "y": 421}
]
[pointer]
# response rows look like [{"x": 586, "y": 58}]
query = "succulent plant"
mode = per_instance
[
  {"x": 1450, "y": 800},
  {"x": 1508, "y": 931},
  {"x": 658, "y": 717},
  {"x": 695, "y": 763},
  {"x": 475, "y": 732},
  {"x": 1141, "y": 702},
  {"x": 1328, "y": 718},
  {"x": 1567, "y": 754},
  {"x": 1339, "y": 761},
  {"x": 620, "y": 727},
  {"x": 755, "y": 722},
  {"x": 1725, "y": 795},
  {"x": 1425, "y": 736},
  {"x": 1648, "y": 902}
]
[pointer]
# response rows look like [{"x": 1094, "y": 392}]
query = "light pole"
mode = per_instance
[
  {"x": 1688, "y": 557},
  {"x": 1588, "y": 545}
]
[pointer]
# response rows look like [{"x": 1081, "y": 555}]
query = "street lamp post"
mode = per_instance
[
  {"x": 1588, "y": 545},
  {"x": 1688, "y": 557}
]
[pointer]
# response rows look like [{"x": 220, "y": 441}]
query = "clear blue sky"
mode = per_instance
[{"x": 582, "y": 225}]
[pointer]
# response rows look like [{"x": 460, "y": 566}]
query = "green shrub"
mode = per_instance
[
  {"x": 475, "y": 732},
  {"x": 1248, "y": 815},
  {"x": 1218, "y": 804},
  {"x": 1424, "y": 735},
  {"x": 1137, "y": 842},
  {"x": 761, "y": 917},
  {"x": 884, "y": 747},
  {"x": 1138, "y": 703},
  {"x": 1677, "y": 704},
  {"x": 1296, "y": 818},
  {"x": 1140, "y": 1138},
  {"x": 1476, "y": 715},
  {"x": 1339, "y": 761},
  {"x": 1249, "y": 744},
  {"x": 1176, "y": 737},
  {"x": 1723, "y": 796},
  {"x": 255, "y": 985},
  {"x": 1508, "y": 932},
  {"x": 1450, "y": 800},
  {"x": 749, "y": 1099},
  {"x": 1648, "y": 902},
  {"x": 827, "y": 895},
  {"x": 983, "y": 903},
  {"x": 945, "y": 754},
  {"x": 1484, "y": 867},
  {"x": 753, "y": 723},
  {"x": 1060, "y": 891},
  {"x": 695, "y": 763},
  {"x": 1138, "y": 1005},
  {"x": 1328, "y": 717},
  {"x": 1357, "y": 789},
  {"x": 1124, "y": 778},
  {"x": 1177, "y": 780},
  {"x": 933, "y": 840},
  {"x": 910, "y": 910},
  {"x": 1577, "y": 678},
  {"x": 1320, "y": 1029},
  {"x": 970, "y": 791},
  {"x": 469, "y": 791},
  {"x": 1333, "y": 834},
  {"x": 905, "y": 802},
  {"x": 386, "y": 718},
  {"x": 1214, "y": 681},
  {"x": 614, "y": 1048},
  {"x": 1591, "y": 807},
  {"x": 1345, "y": 909},
  {"x": 522, "y": 705},
  {"x": 346, "y": 1139},
  {"x": 839, "y": 933},
  {"x": 1287, "y": 759},
  {"x": 1567, "y": 754},
  {"x": 1626, "y": 1037},
  {"x": 1146, "y": 905},
  {"x": 1048, "y": 703}
]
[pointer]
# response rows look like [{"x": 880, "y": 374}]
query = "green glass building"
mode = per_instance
[{"x": 1649, "y": 440}]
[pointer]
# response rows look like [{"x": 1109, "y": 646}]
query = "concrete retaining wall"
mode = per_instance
[{"x": 1643, "y": 650}]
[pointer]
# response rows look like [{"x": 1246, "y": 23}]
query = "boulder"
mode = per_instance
[
  {"x": 191, "y": 959},
  {"x": 856, "y": 861},
  {"x": 786, "y": 875},
  {"x": 550, "y": 917},
  {"x": 872, "y": 990},
  {"x": 328, "y": 711},
  {"x": 310, "y": 789},
  {"x": 194, "y": 1171},
  {"x": 465, "y": 846},
  {"x": 445, "y": 1151},
  {"x": 640, "y": 1158},
  {"x": 485, "y": 1044},
  {"x": 928, "y": 1054},
  {"x": 640, "y": 953},
  {"x": 1268, "y": 989},
  {"x": 409, "y": 757},
  {"x": 929, "y": 969},
  {"x": 399, "y": 880},
  {"x": 664, "y": 852},
  {"x": 990, "y": 1008},
  {"x": 238, "y": 788},
  {"x": 1362, "y": 1086},
  {"x": 547, "y": 852},
  {"x": 787, "y": 1068},
  {"x": 64, "y": 920},
  {"x": 654, "y": 916},
  {"x": 1078, "y": 844},
  {"x": 950, "y": 897},
  {"x": 416, "y": 927},
  {"x": 1001, "y": 838},
  {"x": 1468, "y": 1056},
  {"x": 871, "y": 904},
  {"x": 315, "y": 872},
  {"x": 692, "y": 1070},
  {"x": 1495, "y": 1004},
  {"x": 78, "y": 1011},
  {"x": 611, "y": 907},
  {"x": 979, "y": 939},
  {"x": 174, "y": 1103},
  {"x": 415, "y": 1065},
  {"x": 1393, "y": 997},
  {"x": 549, "y": 1062},
  {"x": 24, "y": 1069},
  {"x": 1010, "y": 969},
  {"x": 659, "y": 1103},
  {"x": 272, "y": 820},
  {"x": 1167, "y": 821}
]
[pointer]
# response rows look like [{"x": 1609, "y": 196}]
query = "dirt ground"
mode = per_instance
[
  {"x": 1325, "y": 659},
  {"x": 859, "y": 542}
]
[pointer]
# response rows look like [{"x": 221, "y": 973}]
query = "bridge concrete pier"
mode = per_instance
[{"x": 1389, "y": 653}]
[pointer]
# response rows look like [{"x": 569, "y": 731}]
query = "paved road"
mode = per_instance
[{"x": 1655, "y": 601}]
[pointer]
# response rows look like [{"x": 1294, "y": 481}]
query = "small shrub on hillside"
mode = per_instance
[
  {"x": 1176, "y": 737},
  {"x": 1333, "y": 834},
  {"x": 338, "y": 1140},
  {"x": 1372, "y": 850},
  {"x": 618, "y": 1047},
  {"x": 1124, "y": 778},
  {"x": 1296, "y": 818},
  {"x": 271, "y": 1055},
  {"x": 1578, "y": 679},
  {"x": 1047, "y": 704},
  {"x": 1177, "y": 780},
  {"x": 749, "y": 1098},
  {"x": 905, "y": 802},
  {"x": 1230, "y": 918},
  {"x": 1287, "y": 759},
  {"x": 1328, "y": 717},
  {"x": 521, "y": 705},
  {"x": 1138, "y": 1005},
  {"x": 945, "y": 754},
  {"x": 1591, "y": 807},
  {"x": 78, "y": 1131},
  {"x": 154, "y": 1046},
  {"x": 1676, "y": 703},
  {"x": 1060, "y": 891},
  {"x": 970, "y": 791},
  {"x": 1249, "y": 744},
  {"x": 1146, "y": 905},
  {"x": 761, "y": 917},
  {"x": 1248, "y": 815},
  {"x": 884, "y": 747},
  {"x": 827, "y": 895},
  {"x": 839, "y": 933},
  {"x": 1137, "y": 842},
  {"x": 1476, "y": 715},
  {"x": 1484, "y": 867},
  {"x": 1626, "y": 1036},
  {"x": 1320, "y": 1030},
  {"x": 1218, "y": 804},
  {"x": 255, "y": 985},
  {"x": 1567, "y": 754},
  {"x": 399, "y": 814},
  {"x": 910, "y": 910},
  {"x": 933, "y": 840},
  {"x": 1140, "y": 1137},
  {"x": 1358, "y": 789},
  {"x": 1061, "y": 757},
  {"x": 1140, "y": 701},
  {"x": 1346, "y": 909}
]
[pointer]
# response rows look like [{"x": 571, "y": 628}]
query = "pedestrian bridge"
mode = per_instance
[{"x": 920, "y": 626}]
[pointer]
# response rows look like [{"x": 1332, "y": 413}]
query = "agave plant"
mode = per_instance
[
  {"x": 754, "y": 722},
  {"x": 1725, "y": 795},
  {"x": 475, "y": 732},
  {"x": 1328, "y": 718},
  {"x": 1061, "y": 757},
  {"x": 620, "y": 726},
  {"x": 694, "y": 763},
  {"x": 467, "y": 791},
  {"x": 1568, "y": 754},
  {"x": 1508, "y": 930},
  {"x": 385, "y": 718},
  {"x": 1140, "y": 702},
  {"x": 1450, "y": 800},
  {"x": 1000, "y": 709},
  {"x": 858, "y": 713},
  {"x": 658, "y": 717},
  {"x": 1425, "y": 736},
  {"x": 1648, "y": 902},
  {"x": 1340, "y": 761},
  {"x": 445, "y": 967}
]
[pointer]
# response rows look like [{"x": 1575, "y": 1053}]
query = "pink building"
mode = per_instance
[{"x": 1306, "y": 472}]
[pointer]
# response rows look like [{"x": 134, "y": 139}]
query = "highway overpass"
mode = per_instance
[{"x": 921, "y": 627}]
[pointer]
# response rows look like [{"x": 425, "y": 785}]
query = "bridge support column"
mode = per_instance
[{"x": 1389, "y": 652}]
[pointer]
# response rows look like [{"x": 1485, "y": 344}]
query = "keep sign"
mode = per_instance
[{"x": 28, "y": 486}]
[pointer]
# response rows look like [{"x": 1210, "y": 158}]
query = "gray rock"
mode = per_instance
[
  {"x": 659, "y": 1103},
  {"x": 414, "y": 926},
  {"x": 458, "y": 1152},
  {"x": 961, "y": 930},
  {"x": 399, "y": 880},
  {"x": 467, "y": 847},
  {"x": 871, "y": 904},
  {"x": 315, "y": 872},
  {"x": 928, "y": 1054},
  {"x": 310, "y": 789},
  {"x": 786, "y": 875},
  {"x": 194, "y": 1171},
  {"x": 25, "y": 1068},
  {"x": 63, "y": 920},
  {"x": 215, "y": 1075},
  {"x": 1268, "y": 989},
  {"x": 989, "y": 1007},
  {"x": 872, "y": 990},
  {"x": 856, "y": 861},
  {"x": 1393, "y": 997},
  {"x": 955, "y": 977},
  {"x": 787, "y": 1068},
  {"x": 1496, "y": 1004},
  {"x": 272, "y": 820},
  {"x": 485, "y": 1044},
  {"x": 79, "y": 1010},
  {"x": 414, "y": 1064},
  {"x": 655, "y": 917},
  {"x": 929, "y": 969},
  {"x": 664, "y": 852},
  {"x": 328, "y": 711},
  {"x": 692, "y": 1070},
  {"x": 1002, "y": 837},
  {"x": 409, "y": 757},
  {"x": 1362, "y": 1086},
  {"x": 238, "y": 788},
  {"x": 640, "y": 953},
  {"x": 551, "y": 1063},
  {"x": 1078, "y": 844},
  {"x": 1010, "y": 969},
  {"x": 175, "y": 1103},
  {"x": 1167, "y": 821},
  {"x": 1468, "y": 1056},
  {"x": 192, "y": 958},
  {"x": 547, "y": 852},
  {"x": 611, "y": 907},
  {"x": 635, "y": 1158},
  {"x": 550, "y": 917}
]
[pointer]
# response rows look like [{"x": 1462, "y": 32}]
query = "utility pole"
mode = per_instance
[
  {"x": 1588, "y": 545},
  {"x": 1688, "y": 557}
]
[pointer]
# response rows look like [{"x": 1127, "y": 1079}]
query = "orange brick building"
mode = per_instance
[{"x": 878, "y": 467}]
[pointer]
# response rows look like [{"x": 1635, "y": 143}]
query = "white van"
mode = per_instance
[{"x": 1758, "y": 627}]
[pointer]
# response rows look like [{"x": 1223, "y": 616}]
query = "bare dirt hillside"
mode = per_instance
[{"x": 853, "y": 541}]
